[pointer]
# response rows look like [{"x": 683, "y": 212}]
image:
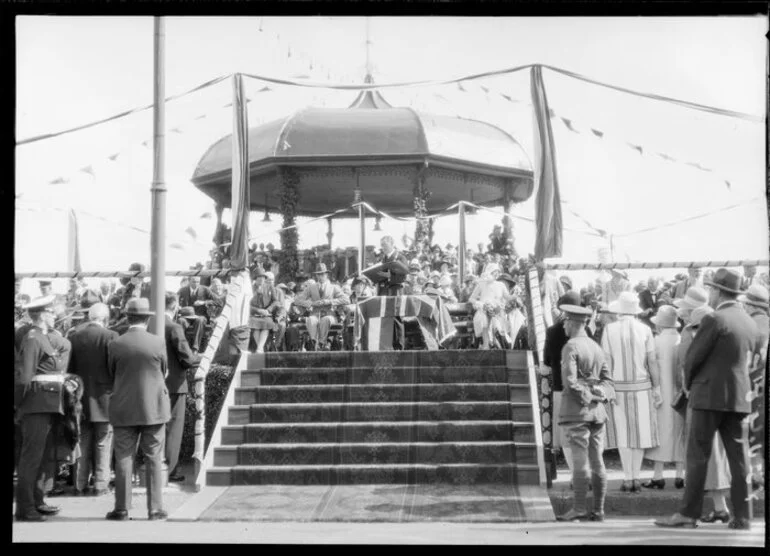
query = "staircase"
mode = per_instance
[{"x": 403, "y": 417}]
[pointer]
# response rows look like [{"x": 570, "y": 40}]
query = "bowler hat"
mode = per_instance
[
  {"x": 44, "y": 283},
  {"x": 570, "y": 298},
  {"x": 725, "y": 279},
  {"x": 666, "y": 317},
  {"x": 136, "y": 266},
  {"x": 756, "y": 295},
  {"x": 321, "y": 269},
  {"x": 139, "y": 306}
]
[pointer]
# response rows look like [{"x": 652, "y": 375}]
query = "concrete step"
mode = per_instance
[
  {"x": 373, "y": 453},
  {"x": 323, "y": 393},
  {"x": 462, "y": 473},
  {"x": 379, "y": 411},
  {"x": 356, "y": 432},
  {"x": 381, "y": 375}
]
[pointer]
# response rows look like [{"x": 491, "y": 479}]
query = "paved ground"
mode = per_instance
[{"x": 82, "y": 520}]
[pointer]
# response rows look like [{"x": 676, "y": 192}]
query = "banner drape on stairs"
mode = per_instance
[{"x": 239, "y": 249}]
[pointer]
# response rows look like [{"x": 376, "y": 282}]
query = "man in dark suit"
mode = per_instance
[
  {"x": 139, "y": 408},
  {"x": 717, "y": 379},
  {"x": 180, "y": 358},
  {"x": 195, "y": 296},
  {"x": 392, "y": 279},
  {"x": 89, "y": 360},
  {"x": 38, "y": 401}
]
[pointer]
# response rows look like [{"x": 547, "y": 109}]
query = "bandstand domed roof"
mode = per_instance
[{"x": 378, "y": 147}]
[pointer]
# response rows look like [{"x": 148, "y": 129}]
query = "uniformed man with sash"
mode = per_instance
[{"x": 40, "y": 375}]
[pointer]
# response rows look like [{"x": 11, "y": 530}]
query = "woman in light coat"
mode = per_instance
[
  {"x": 670, "y": 423},
  {"x": 489, "y": 299}
]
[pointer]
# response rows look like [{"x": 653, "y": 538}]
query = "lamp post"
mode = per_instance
[{"x": 158, "y": 233}]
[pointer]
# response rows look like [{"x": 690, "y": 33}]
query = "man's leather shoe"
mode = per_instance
[
  {"x": 100, "y": 492},
  {"x": 655, "y": 483},
  {"x": 573, "y": 515},
  {"x": 711, "y": 517},
  {"x": 740, "y": 523},
  {"x": 117, "y": 515},
  {"x": 679, "y": 482},
  {"x": 176, "y": 478},
  {"x": 677, "y": 520},
  {"x": 156, "y": 515},
  {"x": 596, "y": 516},
  {"x": 45, "y": 509},
  {"x": 31, "y": 516}
]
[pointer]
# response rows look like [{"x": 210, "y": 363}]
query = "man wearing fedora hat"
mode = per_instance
[
  {"x": 322, "y": 299},
  {"x": 630, "y": 351},
  {"x": 717, "y": 378},
  {"x": 582, "y": 415},
  {"x": 139, "y": 408},
  {"x": 391, "y": 279}
]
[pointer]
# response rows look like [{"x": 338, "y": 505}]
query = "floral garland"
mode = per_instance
[
  {"x": 423, "y": 228},
  {"x": 288, "y": 257}
]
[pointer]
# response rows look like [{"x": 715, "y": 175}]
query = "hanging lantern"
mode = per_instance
[{"x": 377, "y": 220}]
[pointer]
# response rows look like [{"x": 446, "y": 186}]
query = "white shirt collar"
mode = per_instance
[{"x": 730, "y": 302}]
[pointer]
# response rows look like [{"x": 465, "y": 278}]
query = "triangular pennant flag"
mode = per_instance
[
  {"x": 598, "y": 133},
  {"x": 248, "y": 100},
  {"x": 114, "y": 157},
  {"x": 729, "y": 185},
  {"x": 568, "y": 123},
  {"x": 311, "y": 65},
  {"x": 191, "y": 232},
  {"x": 636, "y": 147},
  {"x": 551, "y": 113},
  {"x": 460, "y": 86},
  {"x": 483, "y": 88},
  {"x": 666, "y": 157},
  {"x": 59, "y": 181},
  {"x": 88, "y": 170},
  {"x": 264, "y": 89},
  {"x": 506, "y": 97},
  {"x": 146, "y": 143},
  {"x": 175, "y": 130},
  {"x": 228, "y": 105},
  {"x": 177, "y": 246},
  {"x": 206, "y": 216},
  {"x": 200, "y": 117}
]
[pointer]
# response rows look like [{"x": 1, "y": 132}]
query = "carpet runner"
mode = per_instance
[{"x": 398, "y": 433}]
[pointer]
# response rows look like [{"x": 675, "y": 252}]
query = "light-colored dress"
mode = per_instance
[
  {"x": 630, "y": 351},
  {"x": 489, "y": 299},
  {"x": 670, "y": 423}
]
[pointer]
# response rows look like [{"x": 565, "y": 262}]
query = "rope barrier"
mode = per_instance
[{"x": 691, "y": 264}]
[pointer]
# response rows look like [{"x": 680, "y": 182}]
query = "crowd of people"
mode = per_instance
[
  {"x": 656, "y": 373},
  {"x": 630, "y": 366}
]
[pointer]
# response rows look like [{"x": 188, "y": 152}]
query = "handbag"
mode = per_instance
[{"x": 680, "y": 402}]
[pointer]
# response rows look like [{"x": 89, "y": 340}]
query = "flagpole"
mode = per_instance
[{"x": 158, "y": 230}]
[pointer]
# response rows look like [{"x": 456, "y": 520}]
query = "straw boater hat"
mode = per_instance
[
  {"x": 505, "y": 277},
  {"x": 698, "y": 313},
  {"x": 725, "y": 280},
  {"x": 694, "y": 297},
  {"x": 139, "y": 306},
  {"x": 627, "y": 303},
  {"x": 569, "y": 298},
  {"x": 666, "y": 317},
  {"x": 757, "y": 295}
]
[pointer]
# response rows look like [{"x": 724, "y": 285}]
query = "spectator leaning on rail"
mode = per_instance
[{"x": 582, "y": 416}]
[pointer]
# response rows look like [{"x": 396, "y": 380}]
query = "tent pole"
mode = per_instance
[
  {"x": 461, "y": 242},
  {"x": 362, "y": 225},
  {"x": 158, "y": 239}
]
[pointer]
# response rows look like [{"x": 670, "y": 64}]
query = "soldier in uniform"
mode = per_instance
[
  {"x": 587, "y": 386},
  {"x": 43, "y": 358}
]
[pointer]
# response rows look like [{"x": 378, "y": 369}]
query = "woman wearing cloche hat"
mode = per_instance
[
  {"x": 630, "y": 350},
  {"x": 670, "y": 423}
]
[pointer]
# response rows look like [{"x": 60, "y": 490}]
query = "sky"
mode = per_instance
[{"x": 74, "y": 70}]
